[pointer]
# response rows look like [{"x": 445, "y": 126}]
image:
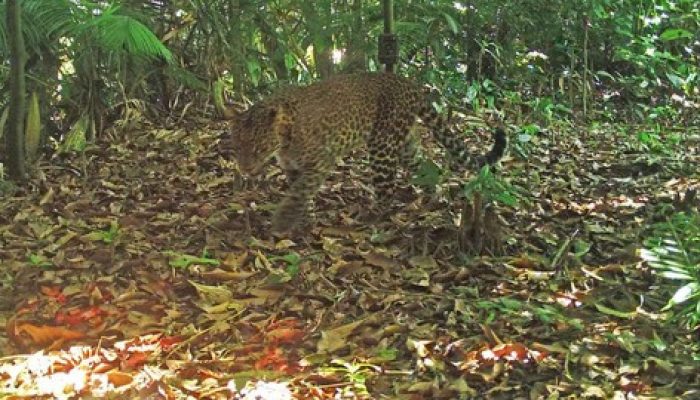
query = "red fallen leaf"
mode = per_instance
[
  {"x": 135, "y": 360},
  {"x": 285, "y": 323},
  {"x": 274, "y": 359},
  {"x": 186, "y": 370},
  {"x": 78, "y": 316},
  {"x": 511, "y": 351},
  {"x": 45, "y": 334},
  {"x": 140, "y": 344},
  {"x": 247, "y": 349},
  {"x": 285, "y": 335},
  {"x": 633, "y": 386},
  {"x": 168, "y": 342},
  {"x": 54, "y": 292}
]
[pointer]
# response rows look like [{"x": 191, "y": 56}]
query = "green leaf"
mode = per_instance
[
  {"x": 675, "y": 34},
  {"x": 387, "y": 354},
  {"x": 32, "y": 129},
  {"x": 3, "y": 120},
  {"x": 615, "y": 313},
  {"x": 507, "y": 198},
  {"x": 683, "y": 294},
  {"x": 290, "y": 61},
  {"x": 254, "y": 70},
  {"x": 124, "y": 34},
  {"x": 428, "y": 175},
  {"x": 452, "y": 23},
  {"x": 76, "y": 137},
  {"x": 675, "y": 80},
  {"x": 682, "y": 276},
  {"x": 292, "y": 260},
  {"x": 511, "y": 304},
  {"x": 581, "y": 247}
]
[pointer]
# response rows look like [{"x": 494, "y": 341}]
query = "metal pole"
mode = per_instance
[
  {"x": 388, "y": 16},
  {"x": 388, "y": 42}
]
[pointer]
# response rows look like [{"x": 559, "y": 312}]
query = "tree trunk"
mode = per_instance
[
  {"x": 275, "y": 51},
  {"x": 318, "y": 17},
  {"x": 14, "y": 140},
  {"x": 356, "y": 58},
  {"x": 235, "y": 37}
]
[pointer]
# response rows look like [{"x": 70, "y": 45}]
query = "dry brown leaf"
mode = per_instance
[
  {"x": 337, "y": 338},
  {"x": 382, "y": 261},
  {"x": 212, "y": 294},
  {"x": 285, "y": 335},
  {"x": 220, "y": 275}
]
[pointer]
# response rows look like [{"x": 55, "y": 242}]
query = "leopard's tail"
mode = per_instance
[{"x": 454, "y": 144}]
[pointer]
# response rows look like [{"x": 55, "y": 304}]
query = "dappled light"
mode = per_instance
[{"x": 368, "y": 199}]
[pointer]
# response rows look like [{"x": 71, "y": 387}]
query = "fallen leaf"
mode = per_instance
[
  {"x": 212, "y": 294},
  {"x": 46, "y": 334},
  {"x": 337, "y": 338},
  {"x": 382, "y": 261},
  {"x": 118, "y": 378}
]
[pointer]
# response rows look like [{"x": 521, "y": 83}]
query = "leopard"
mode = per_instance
[{"x": 309, "y": 128}]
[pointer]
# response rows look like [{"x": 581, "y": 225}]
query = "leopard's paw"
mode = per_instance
[{"x": 286, "y": 222}]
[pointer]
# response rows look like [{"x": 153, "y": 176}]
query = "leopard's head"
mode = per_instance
[{"x": 255, "y": 137}]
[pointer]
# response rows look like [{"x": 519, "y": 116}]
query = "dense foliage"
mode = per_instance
[
  {"x": 572, "y": 270},
  {"x": 542, "y": 59}
]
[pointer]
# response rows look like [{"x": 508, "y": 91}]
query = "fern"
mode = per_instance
[{"x": 674, "y": 251}]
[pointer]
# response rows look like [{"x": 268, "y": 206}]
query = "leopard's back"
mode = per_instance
[{"x": 343, "y": 112}]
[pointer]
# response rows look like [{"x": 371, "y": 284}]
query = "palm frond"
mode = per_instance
[
  {"x": 125, "y": 34},
  {"x": 41, "y": 20},
  {"x": 53, "y": 18}
]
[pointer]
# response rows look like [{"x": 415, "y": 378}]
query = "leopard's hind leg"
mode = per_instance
[{"x": 387, "y": 145}]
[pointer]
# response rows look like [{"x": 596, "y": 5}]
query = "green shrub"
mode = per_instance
[{"x": 673, "y": 251}]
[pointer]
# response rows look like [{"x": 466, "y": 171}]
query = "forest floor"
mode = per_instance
[{"x": 136, "y": 270}]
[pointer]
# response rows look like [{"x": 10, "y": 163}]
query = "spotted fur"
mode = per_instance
[{"x": 310, "y": 127}]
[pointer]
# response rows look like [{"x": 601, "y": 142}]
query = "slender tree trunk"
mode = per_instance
[
  {"x": 318, "y": 16},
  {"x": 14, "y": 139},
  {"x": 238, "y": 66},
  {"x": 274, "y": 50},
  {"x": 356, "y": 58}
]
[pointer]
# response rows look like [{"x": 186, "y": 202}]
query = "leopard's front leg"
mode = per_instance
[{"x": 293, "y": 212}]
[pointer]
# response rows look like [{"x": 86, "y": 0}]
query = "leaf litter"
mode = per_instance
[{"x": 145, "y": 269}]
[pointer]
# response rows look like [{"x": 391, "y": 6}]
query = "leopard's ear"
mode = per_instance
[{"x": 282, "y": 119}]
